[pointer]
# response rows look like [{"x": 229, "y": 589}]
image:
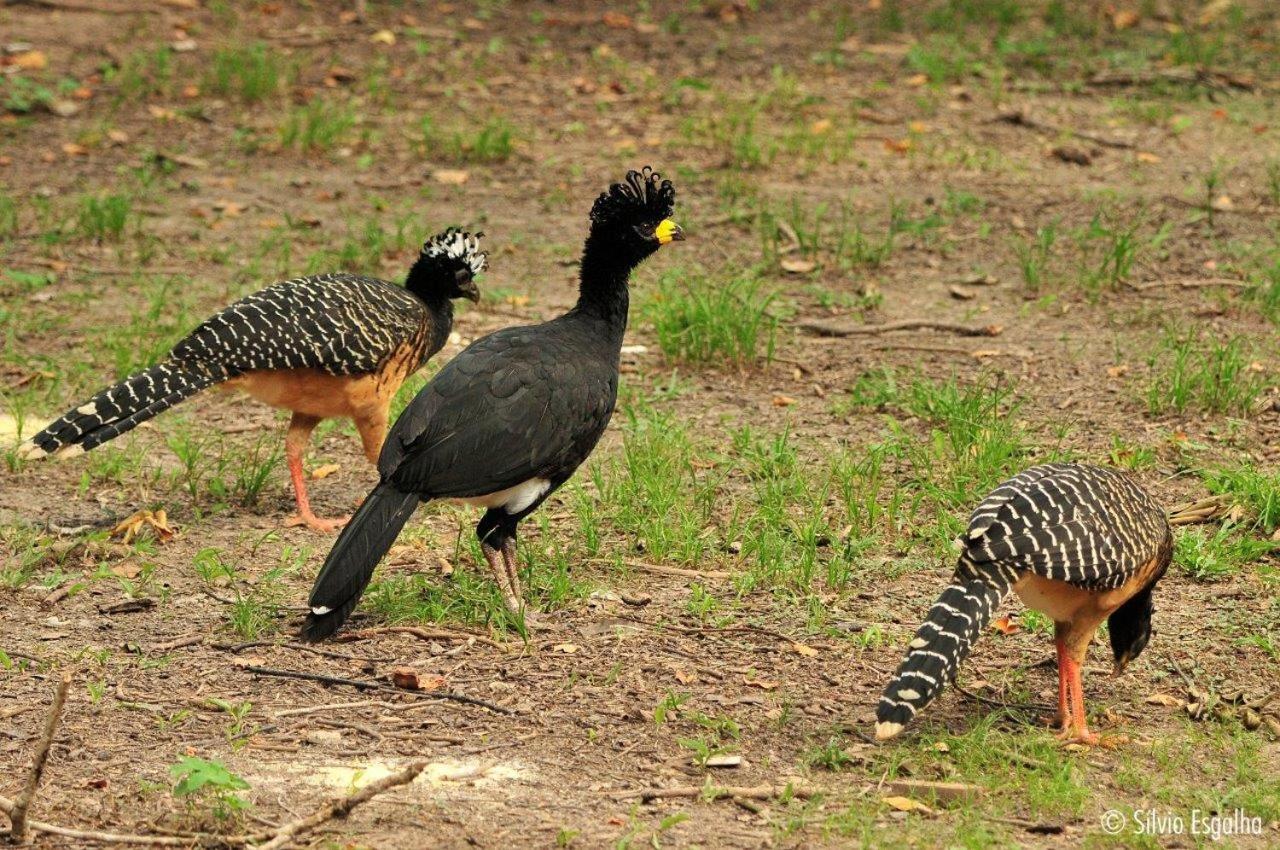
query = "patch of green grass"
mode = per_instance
[
  {"x": 143, "y": 73},
  {"x": 698, "y": 319},
  {"x": 104, "y": 218},
  {"x": 318, "y": 125},
  {"x": 1258, "y": 492},
  {"x": 1216, "y": 375},
  {"x": 1110, "y": 246},
  {"x": 1035, "y": 256},
  {"x": 249, "y": 72},
  {"x": 1212, "y": 555},
  {"x": 493, "y": 141}
]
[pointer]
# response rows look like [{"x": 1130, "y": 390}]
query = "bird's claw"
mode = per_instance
[{"x": 315, "y": 523}]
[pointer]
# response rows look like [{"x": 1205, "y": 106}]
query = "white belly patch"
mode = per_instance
[{"x": 513, "y": 499}]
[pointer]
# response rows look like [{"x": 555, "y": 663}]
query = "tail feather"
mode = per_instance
[
  {"x": 941, "y": 644},
  {"x": 121, "y": 408},
  {"x": 351, "y": 562}
]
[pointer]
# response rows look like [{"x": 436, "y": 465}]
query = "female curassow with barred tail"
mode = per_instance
[
  {"x": 509, "y": 419},
  {"x": 1079, "y": 543},
  {"x": 324, "y": 346}
]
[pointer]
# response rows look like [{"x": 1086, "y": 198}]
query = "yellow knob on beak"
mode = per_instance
[{"x": 668, "y": 231}]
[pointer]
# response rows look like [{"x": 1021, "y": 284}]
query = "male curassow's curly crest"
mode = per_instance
[
  {"x": 1080, "y": 543},
  {"x": 328, "y": 345},
  {"x": 509, "y": 419}
]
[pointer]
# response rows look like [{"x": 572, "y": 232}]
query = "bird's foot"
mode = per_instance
[
  {"x": 1079, "y": 736},
  {"x": 315, "y": 523}
]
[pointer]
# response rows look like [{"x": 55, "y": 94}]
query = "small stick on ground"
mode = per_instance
[
  {"x": 177, "y": 643},
  {"x": 1201, "y": 510},
  {"x": 1017, "y": 118},
  {"x": 825, "y": 329},
  {"x": 999, "y": 703},
  {"x": 742, "y": 792},
  {"x": 661, "y": 569},
  {"x": 18, "y": 812},
  {"x": 421, "y": 633},
  {"x": 341, "y": 807},
  {"x": 373, "y": 686}
]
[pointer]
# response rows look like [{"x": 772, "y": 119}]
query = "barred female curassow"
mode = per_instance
[
  {"x": 1079, "y": 543},
  {"x": 509, "y": 419},
  {"x": 323, "y": 346}
]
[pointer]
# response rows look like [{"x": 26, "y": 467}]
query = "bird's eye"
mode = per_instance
[{"x": 645, "y": 231}]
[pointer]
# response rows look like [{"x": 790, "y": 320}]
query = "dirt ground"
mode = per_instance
[{"x": 782, "y": 124}]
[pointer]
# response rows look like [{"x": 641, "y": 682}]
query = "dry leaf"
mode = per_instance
[
  {"x": 1124, "y": 19},
  {"x": 126, "y": 570},
  {"x": 383, "y": 37},
  {"x": 1143, "y": 156},
  {"x": 1223, "y": 202},
  {"x": 906, "y": 804},
  {"x": 820, "y": 127},
  {"x": 917, "y": 80},
  {"x": 160, "y": 113},
  {"x": 797, "y": 265},
  {"x": 72, "y": 149},
  {"x": 684, "y": 677},
  {"x": 783, "y": 401},
  {"x": 451, "y": 176},
  {"x": 1117, "y": 371},
  {"x": 897, "y": 145},
  {"x": 324, "y": 471},
  {"x": 566, "y": 648},
  {"x": 1165, "y": 700},
  {"x": 803, "y": 649},
  {"x": 918, "y": 127},
  {"x": 405, "y": 677},
  {"x": 762, "y": 684},
  {"x": 32, "y": 60},
  {"x": 960, "y": 293},
  {"x": 1005, "y": 625}
]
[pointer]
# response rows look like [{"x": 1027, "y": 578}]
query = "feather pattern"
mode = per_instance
[{"x": 1090, "y": 527}]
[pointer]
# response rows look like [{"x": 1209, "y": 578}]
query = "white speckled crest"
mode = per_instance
[{"x": 458, "y": 245}]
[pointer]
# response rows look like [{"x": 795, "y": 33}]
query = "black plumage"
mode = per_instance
[
  {"x": 303, "y": 345},
  {"x": 508, "y": 420},
  {"x": 1081, "y": 543}
]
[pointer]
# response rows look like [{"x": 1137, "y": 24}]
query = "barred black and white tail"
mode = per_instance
[
  {"x": 121, "y": 408},
  {"x": 941, "y": 644}
]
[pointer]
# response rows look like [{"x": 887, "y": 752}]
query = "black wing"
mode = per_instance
[
  {"x": 340, "y": 323},
  {"x": 526, "y": 402}
]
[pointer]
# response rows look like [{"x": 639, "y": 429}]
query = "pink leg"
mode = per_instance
[{"x": 300, "y": 428}]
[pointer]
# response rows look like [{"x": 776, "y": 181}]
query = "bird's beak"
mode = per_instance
[
  {"x": 668, "y": 231},
  {"x": 469, "y": 290}
]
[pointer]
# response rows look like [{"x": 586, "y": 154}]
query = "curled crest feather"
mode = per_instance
[
  {"x": 643, "y": 196},
  {"x": 459, "y": 246}
]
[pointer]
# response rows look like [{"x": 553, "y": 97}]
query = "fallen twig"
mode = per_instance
[
  {"x": 945, "y": 791},
  {"x": 1017, "y": 118},
  {"x": 716, "y": 792},
  {"x": 1204, "y": 76},
  {"x": 177, "y": 643},
  {"x": 18, "y": 811},
  {"x": 373, "y": 686},
  {"x": 824, "y": 329},
  {"x": 421, "y": 633},
  {"x": 997, "y": 703},
  {"x": 661, "y": 569},
  {"x": 1192, "y": 284},
  {"x": 197, "y": 839},
  {"x": 1201, "y": 510},
  {"x": 341, "y": 807}
]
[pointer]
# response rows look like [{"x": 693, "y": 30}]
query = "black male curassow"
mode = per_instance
[
  {"x": 1079, "y": 543},
  {"x": 323, "y": 346},
  {"x": 509, "y": 419}
]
